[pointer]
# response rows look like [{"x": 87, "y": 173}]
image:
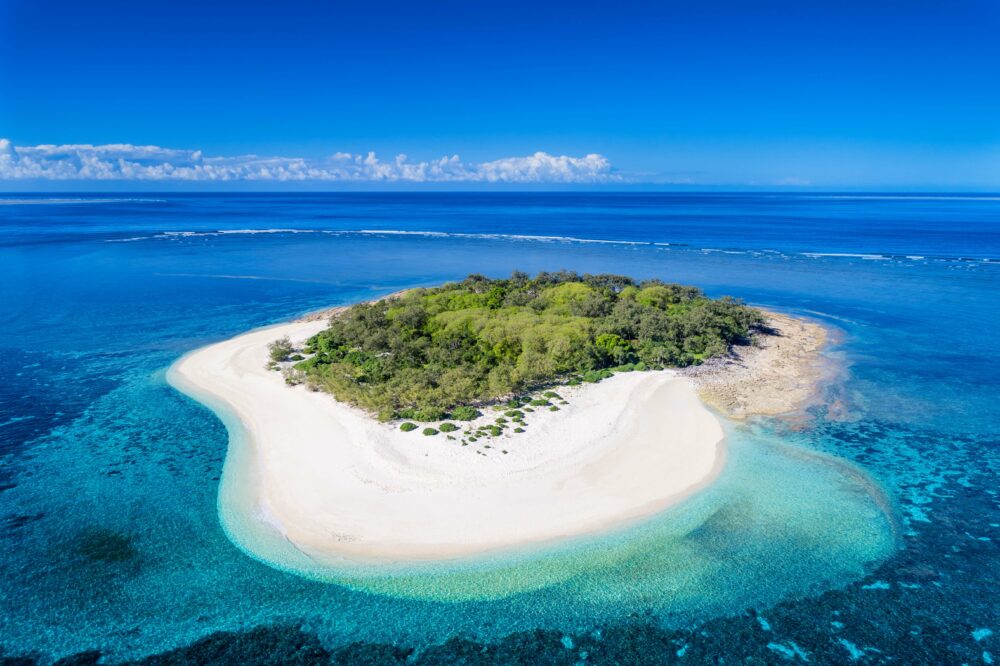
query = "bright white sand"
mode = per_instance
[{"x": 340, "y": 485}]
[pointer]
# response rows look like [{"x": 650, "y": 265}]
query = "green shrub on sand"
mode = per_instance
[{"x": 465, "y": 413}]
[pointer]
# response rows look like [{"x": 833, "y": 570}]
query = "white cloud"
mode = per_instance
[{"x": 153, "y": 163}]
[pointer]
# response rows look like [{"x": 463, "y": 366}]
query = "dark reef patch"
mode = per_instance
[
  {"x": 267, "y": 646},
  {"x": 99, "y": 544}
]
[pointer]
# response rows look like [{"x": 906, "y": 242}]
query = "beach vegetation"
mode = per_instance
[
  {"x": 447, "y": 427},
  {"x": 445, "y": 352},
  {"x": 280, "y": 349},
  {"x": 430, "y": 432},
  {"x": 465, "y": 413},
  {"x": 293, "y": 377},
  {"x": 407, "y": 426}
]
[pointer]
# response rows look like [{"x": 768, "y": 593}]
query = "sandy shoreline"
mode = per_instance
[{"x": 342, "y": 487}]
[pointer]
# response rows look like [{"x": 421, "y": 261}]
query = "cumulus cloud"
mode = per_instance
[{"x": 154, "y": 163}]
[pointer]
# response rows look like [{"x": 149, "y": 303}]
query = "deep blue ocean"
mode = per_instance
[{"x": 112, "y": 547}]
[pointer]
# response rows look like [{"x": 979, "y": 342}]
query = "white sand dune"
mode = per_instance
[{"x": 340, "y": 485}]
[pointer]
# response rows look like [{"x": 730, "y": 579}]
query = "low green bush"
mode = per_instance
[
  {"x": 540, "y": 402},
  {"x": 552, "y": 394},
  {"x": 553, "y": 408},
  {"x": 407, "y": 427},
  {"x": 448, "y": 427},
  {"x": 430, "y": 432},
  {"x": 594, "y": 376},
  {"x": 515, "y": 414},
  {"x": 465, "y": 413},
  {"x": 423, "y": 415},
  {"x": 280, "y": 349}
]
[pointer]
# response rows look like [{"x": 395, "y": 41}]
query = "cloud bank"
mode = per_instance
[{"x": 126, "y": 162}]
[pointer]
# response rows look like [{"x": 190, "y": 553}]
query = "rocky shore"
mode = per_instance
[{"x": 779, "y": 372}]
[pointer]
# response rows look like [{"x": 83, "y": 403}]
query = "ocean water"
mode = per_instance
[{"x": 866, "y": 530}]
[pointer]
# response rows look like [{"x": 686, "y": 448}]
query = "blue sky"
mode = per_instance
[{"x": 702, "y": 94}]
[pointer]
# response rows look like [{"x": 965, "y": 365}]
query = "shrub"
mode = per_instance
[
  {"x": 594, "y": 376},
  {"x": 552, "y": 394},
  {"x": 280, "y": 349},
  {"x": 518, "y": 429},
  {"x": 515, "y": 414},
  {"x": 448, "y": 427},
  {"x": 465, "y": 413},
  {"x": 293, "y": 377},
  {"x": 296, "y": 357},
  {"x": 430, "y": 432},
  {"x": 540, "y": 402},
  {"x": 422, "y": 415},
  {"x": 407, "y": 426}
]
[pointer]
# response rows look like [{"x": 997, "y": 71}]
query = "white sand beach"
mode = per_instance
[{"x": 340, "y": 485}]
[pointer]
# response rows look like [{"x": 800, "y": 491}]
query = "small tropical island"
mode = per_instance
[{"x": 487, "y": 414}]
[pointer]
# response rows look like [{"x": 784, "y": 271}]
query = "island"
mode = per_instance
[{"x": 488, "y": 414}]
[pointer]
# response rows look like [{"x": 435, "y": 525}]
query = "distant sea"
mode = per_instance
[{"x": 109, "y": 477}]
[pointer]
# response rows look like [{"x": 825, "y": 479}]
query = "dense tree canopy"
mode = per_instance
[{"x": 430, "y": 350}]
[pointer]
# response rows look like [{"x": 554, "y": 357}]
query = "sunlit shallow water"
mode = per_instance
[{"x": 877, "y": 511}]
